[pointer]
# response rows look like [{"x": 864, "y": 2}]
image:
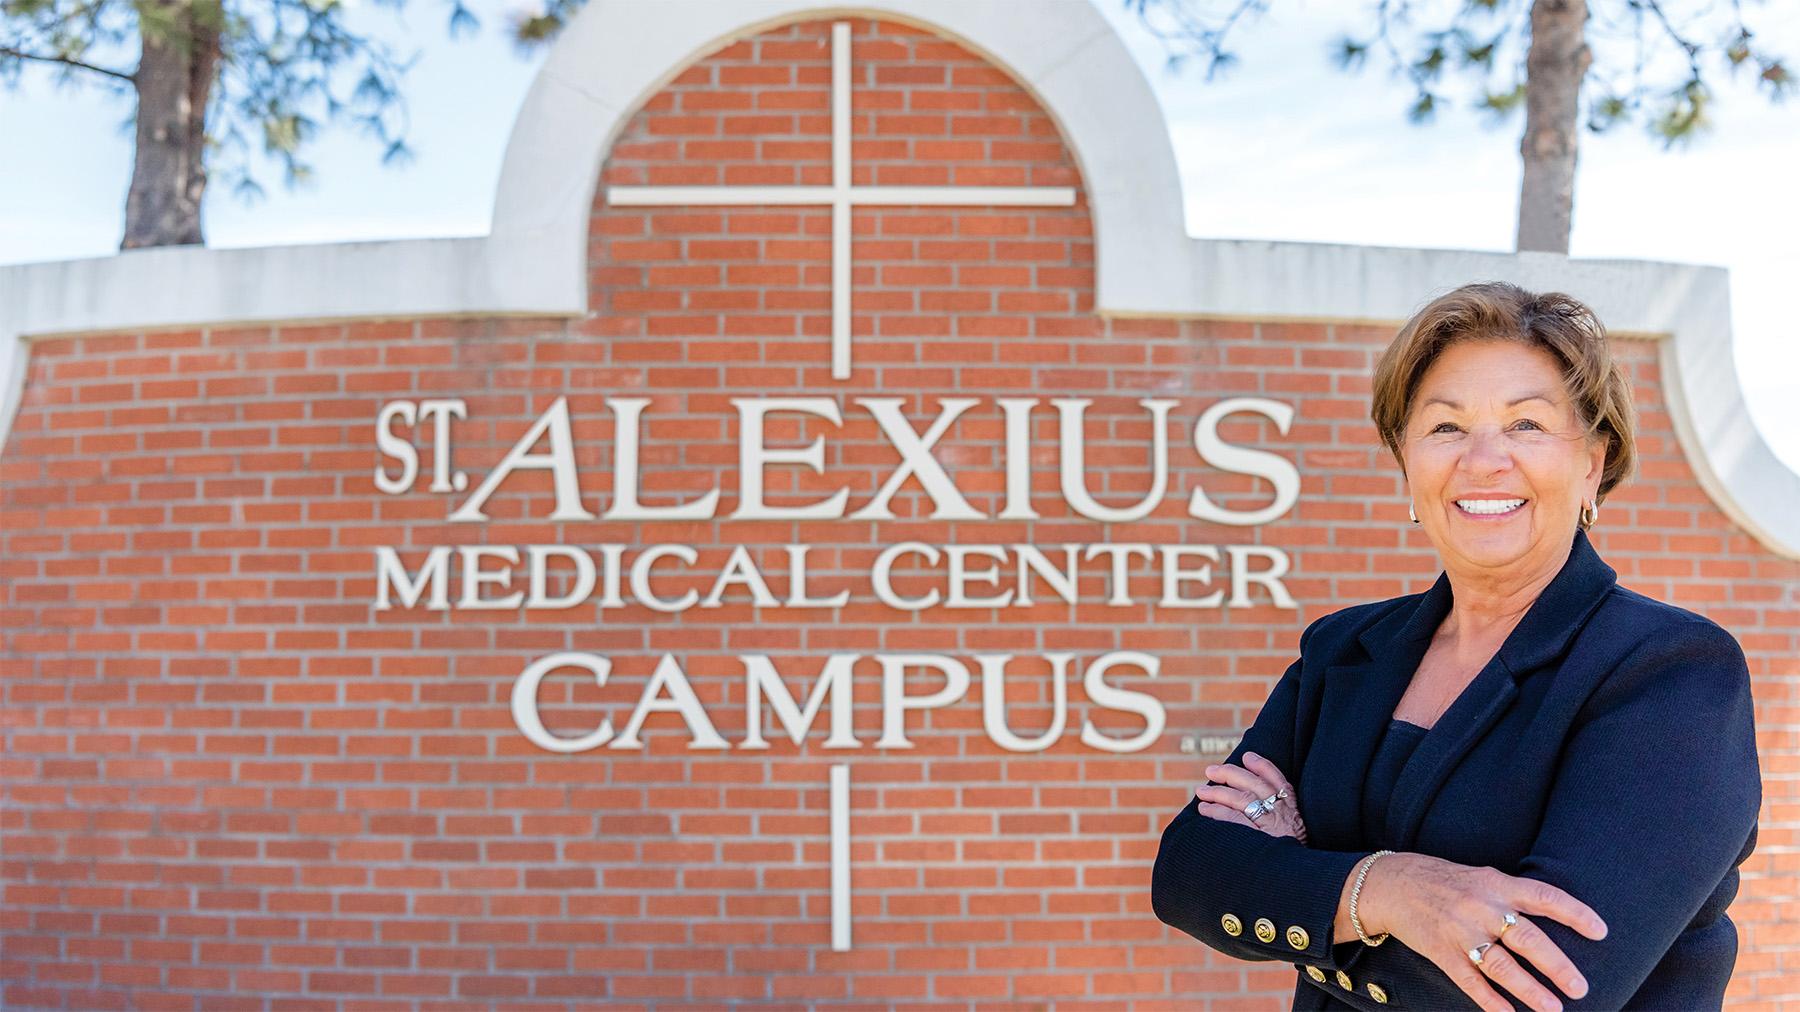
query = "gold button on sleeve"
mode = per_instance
[
  {"x": 1297, "y": 937},
  {"x": 1377, "y": 993},
  {"x": 1233, "y": 926},
  {"x": 1343, "y": 980},
  {"x": 1265, "y": 929},
  {"x": 1316, "y": 974}
]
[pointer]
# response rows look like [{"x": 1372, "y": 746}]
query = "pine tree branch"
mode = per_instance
[
  {"x": 1191, "y": 33},
  {"x": 66, "y": 61},
  {"x": 1691, "y": 49}
]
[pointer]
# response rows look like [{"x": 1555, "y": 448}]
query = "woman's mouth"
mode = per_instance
[{"x": 1489, "y": 507}]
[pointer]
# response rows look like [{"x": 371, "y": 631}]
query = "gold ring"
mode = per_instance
[{"x": 1510, "y": 921}]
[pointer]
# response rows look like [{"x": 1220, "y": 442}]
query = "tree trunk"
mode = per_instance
[
  {"x": 174, "y": 79},
  {"x": 1554, "y": 67}
]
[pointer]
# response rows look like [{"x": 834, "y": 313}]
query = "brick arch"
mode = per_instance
[{"x": 926, "y": 112}]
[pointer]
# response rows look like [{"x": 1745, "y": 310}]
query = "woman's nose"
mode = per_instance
[{"x": 1487, "y": 450}]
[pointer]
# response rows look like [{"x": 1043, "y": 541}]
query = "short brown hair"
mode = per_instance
[{"x": 1499, "y": 311}]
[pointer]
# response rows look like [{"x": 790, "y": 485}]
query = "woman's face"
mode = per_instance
[{"x": 1497, "y": 464}]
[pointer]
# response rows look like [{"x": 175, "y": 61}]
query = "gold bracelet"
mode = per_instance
[{"x": 1356, "y": 890}]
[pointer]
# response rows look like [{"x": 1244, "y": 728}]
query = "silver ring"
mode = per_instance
[
  {"x": 1259, "y": 807},
  {"x": 1475, "y": 954}
]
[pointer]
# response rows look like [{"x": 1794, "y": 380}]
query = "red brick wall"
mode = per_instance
[{"x": 229, "y": 780}]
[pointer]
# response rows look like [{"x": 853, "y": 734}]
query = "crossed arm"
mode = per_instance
[{"x": 1208, "y": 868}]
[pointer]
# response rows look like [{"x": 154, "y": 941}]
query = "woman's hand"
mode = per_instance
[
  {"x": 1239, "y": 785},
  {"x": 1442, "y": 909}
]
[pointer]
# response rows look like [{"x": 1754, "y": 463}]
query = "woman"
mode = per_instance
[{"x": 1527, "y": 787}]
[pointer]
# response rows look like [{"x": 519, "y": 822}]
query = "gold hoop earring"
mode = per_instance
[
  {"x": 1410, "y": 513},
  {"x": 1590, "y": 512}
]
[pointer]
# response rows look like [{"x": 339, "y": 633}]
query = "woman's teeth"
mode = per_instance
[{"x": 1489, "y": 507}]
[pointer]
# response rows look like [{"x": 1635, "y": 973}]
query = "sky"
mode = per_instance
[{"x": 1283, "y": 146}]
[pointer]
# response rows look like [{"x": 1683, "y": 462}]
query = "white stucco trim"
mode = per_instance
[
  {"x": 619, "y": 52},
  {"x": 191, "y": 286}
]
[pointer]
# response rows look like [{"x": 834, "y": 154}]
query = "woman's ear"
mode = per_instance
[{"x": 1597, "y": 460}]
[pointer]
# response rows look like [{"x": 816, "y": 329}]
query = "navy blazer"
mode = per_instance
[{"x": 1609, "y": 748}]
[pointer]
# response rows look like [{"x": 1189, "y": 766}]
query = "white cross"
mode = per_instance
[{"x": 841, "y": 196}]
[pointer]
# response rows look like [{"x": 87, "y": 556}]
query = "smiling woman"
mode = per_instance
[
  {"x": 1462, "y": 798},
  {"x": 1508, "y": 416}
]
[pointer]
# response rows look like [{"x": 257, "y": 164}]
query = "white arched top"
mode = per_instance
[{"x": 617, "y": 53}]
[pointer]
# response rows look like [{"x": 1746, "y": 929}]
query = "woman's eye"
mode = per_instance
[{"x": 1451, "y": 426}]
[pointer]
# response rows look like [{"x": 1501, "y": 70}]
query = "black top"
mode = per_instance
[{"x": 1397, "y": 746}]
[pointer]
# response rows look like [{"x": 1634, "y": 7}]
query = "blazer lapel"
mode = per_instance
[
  {"x": 1541, "y": 637},
  {"x": 1358, "y": 700},
  {"x": 1355, "y": 705}
]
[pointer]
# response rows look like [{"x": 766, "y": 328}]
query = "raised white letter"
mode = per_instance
[
  {"x": 390, "y": 574},
  {"x": 1073, "y": 442},
  {"x": 1173, "y": 576},
  {"x": 834, "y": 681},
  {"x": 1018, "y": 458},
  {"x": 753, "y": 456},
  {"x": 640, "y": 577},
  {"x": 625, "y": 473},
  {"x": 560, "y": 461},
  {"x": 525, "y": 708},
  {"x": 1278, "y": 470},
  {"x": 1141, "y": 703},
  {"x": 1120, "y": 558},
  {"x": 1242, "y": 577},
  {"x": 993, "y": 702},
  {"x": 895, "y": 702},
  {"x": 539, "y": 556},
  {"x": 474, "y": 578},
  {"x": 916, "y": 458},
  {"x": 960, "y": 577},
  {"x": 741, "y": 568},
  {"x": 395, "y": 447},
  {"x": 884, "y": 589},
  {"x": 439, "y": 412},
  {"x": 797, "y": 597},
  {"x": 681, "y": 700}
]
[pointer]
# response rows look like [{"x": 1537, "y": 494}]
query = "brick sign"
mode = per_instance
[{"x": 784, "y": 572}]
